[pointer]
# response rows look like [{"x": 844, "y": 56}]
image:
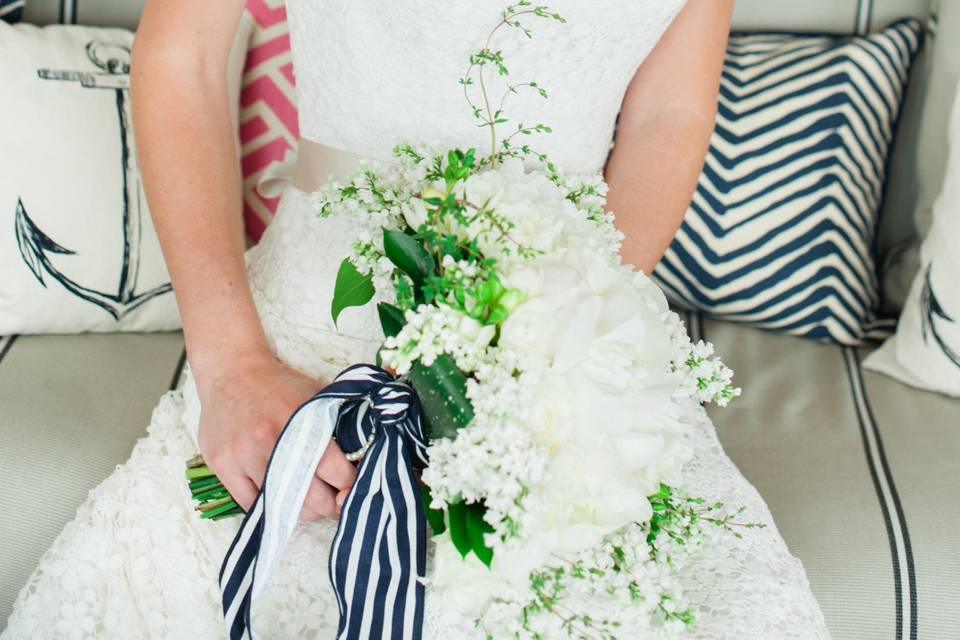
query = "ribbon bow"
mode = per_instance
[{"x": 379, "y": 552}]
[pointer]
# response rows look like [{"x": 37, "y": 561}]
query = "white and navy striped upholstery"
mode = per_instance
[
  {"x": 859, "y": 471},
  {"x": 781, "y": 230},
  {"x": 101, "y": 13},
  {"x": 11, "y": 10}
]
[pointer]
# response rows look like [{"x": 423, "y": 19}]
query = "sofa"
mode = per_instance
[{"x": 859, "y": 470}]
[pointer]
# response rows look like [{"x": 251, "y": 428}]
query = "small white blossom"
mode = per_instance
[
  {"x": 431, "y": 331},
  {"x": 704, "y": 376}
]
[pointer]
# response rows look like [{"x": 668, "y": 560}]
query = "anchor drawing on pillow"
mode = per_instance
[
  {"x": 931, "y": 310},
  {"x": 35, "y": 245}
]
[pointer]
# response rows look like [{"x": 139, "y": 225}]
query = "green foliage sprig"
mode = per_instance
[{"x": 488, "y": 116}]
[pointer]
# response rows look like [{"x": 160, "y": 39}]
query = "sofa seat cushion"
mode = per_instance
[
  {"x": 859, "y": 470},
  {"x": 71, "y": 408},
  {"x": 860, "y": 473}
]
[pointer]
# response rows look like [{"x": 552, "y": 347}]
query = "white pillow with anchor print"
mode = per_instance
[
  {"x": 925, "y": 351},
  {"x": 78, "y": 251}
]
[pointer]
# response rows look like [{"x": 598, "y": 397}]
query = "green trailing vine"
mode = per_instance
[{"x": 513, "y": 17}]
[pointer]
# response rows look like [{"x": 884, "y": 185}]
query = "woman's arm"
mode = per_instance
[
  {"x": 665, "y": 125},
  {"x": 188, "y": 158}
]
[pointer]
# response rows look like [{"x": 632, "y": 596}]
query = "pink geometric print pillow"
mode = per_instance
[{"x": 268, "y": 109}]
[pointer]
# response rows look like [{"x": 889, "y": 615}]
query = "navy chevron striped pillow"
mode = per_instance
[
  {"x": 11, "y": 10},
  {"x": 780, "y": 233}
]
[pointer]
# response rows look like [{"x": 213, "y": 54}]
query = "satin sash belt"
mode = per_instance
[{"x": 317, "y": 163}]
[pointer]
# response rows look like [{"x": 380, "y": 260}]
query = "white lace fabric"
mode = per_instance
[
  {"x": 403, "y": 88},
  {"x": 137, "y": 562}
]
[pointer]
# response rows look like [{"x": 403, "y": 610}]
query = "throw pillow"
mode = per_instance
[
  {"x": 925, "y": 351},
  {"x": 11, "y": 10},
  {"x": 78, "y": 251},
  {"x": 780, "y": 233},
  {"x": 268, "y": 114}
]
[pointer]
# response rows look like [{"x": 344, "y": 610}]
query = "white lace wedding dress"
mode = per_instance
[{"x": 138, "y": 563}]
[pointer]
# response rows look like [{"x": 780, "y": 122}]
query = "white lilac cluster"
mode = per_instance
[
  {"x": 632, "y": 588},
  {"x": 433, "y": 330},
  {"x": 381, "y": 196},
  {"x": 496, "y": 459},
  {"x": 589, "y": 194},
  {"x": 705, "y": 377},
  {"x": 496, "y": 462}
]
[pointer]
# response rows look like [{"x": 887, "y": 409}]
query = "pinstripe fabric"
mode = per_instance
[
  {"x": 177, "y": 378},
  {"x": 781, "y": 229},
  {"x": 11, "y": 10},
  {"x": 68, "y": 11},
  {"x": 379, "y": 552},
  {"x": 5, "y": 343},
  {"x": 904, "y": 573},
  {"x": 860, "y": 475},
  {"x": 864, "y": 17}
]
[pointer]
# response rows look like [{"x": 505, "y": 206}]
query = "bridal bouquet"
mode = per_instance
[
  {"x": 551, "y": 383},
  {"x": 551, "y": 378}
]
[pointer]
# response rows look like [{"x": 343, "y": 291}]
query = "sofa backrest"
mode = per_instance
[
  {"x": 105, "y": 13},
  {"x": 840, "y": 16},
  {"x": 910, "y": 184},
  {"x": 824, "y": 16}
]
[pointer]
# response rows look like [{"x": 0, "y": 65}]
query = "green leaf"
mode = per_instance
[
  {"x": 457, "y": 518},
  {"x": 434, "y": 516},
  {"x": 353, "y": 289},
  {"x": 476, "y": 527},
  {"x": 391, "y": 319},
  {"x": 442, "y": 388},
  {"x": 408, "y": 254}
]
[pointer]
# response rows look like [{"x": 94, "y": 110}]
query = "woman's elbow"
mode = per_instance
[{"x": 165, "y": 60}]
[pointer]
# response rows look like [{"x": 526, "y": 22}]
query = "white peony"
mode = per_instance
[
  {"x": 451, "y": 573},
  {"x": 414, "y": 212},
  {"x": 603, "y": 402}
]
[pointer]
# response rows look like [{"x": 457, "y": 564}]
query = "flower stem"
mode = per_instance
[
  {"x": 222, "y": 510},
  {"x": 195, "y": 473}
]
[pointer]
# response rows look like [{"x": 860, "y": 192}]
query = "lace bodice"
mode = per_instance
[{"x": 364, "y": 61}]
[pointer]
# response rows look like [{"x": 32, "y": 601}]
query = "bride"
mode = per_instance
[{"x": 137, "y": 562}]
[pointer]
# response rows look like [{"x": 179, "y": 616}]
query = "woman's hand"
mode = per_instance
[
  {"x": 244, "y": 407},
  {"x": 191, "y": 173}
]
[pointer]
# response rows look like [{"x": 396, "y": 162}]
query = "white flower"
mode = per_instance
[
  {"x": 602, "y": 404},
  {"x": 474, "y": 334},
  {"x": 431, "y": 331},
  {"x": 414, "y": 212},
  {"x": 485, "y": 188},
  {"x": 467, "y": 583}
]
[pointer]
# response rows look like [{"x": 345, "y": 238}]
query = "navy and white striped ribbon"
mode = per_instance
[{"x": 379, "y": 553}]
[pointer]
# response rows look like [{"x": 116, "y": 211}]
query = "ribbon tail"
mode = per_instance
[
  {"x": 378, "y": 557},
  {"x": 266, "y": 528}
]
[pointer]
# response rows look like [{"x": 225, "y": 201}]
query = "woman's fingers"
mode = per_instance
[
  {"x": 320, "y": 500},
  {"x": 241, "y": 488},
  {"x": 334, "y": 474},
  {"x": 309, "y": 516},
  {"x": 335, "y": 469}
]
